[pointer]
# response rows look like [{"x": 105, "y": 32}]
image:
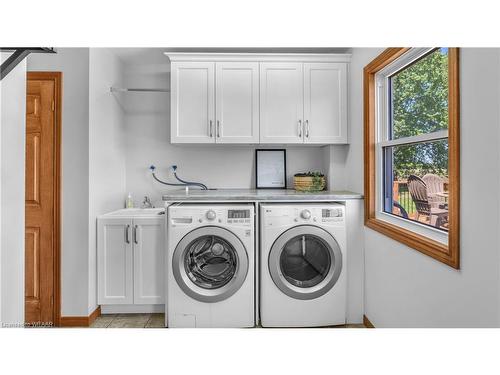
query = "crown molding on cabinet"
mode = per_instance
[{"x": 260, "y": 57}]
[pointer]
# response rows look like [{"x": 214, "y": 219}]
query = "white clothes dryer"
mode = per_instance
[{"x": 303, "y": 265}]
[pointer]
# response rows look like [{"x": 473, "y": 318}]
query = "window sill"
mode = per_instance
[
  {"x": 427, "y": 246},
  {"x": 416, "y": 227}
]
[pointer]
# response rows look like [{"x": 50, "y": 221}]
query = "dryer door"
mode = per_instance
[
  {"x": 210, "y": 264},
  {"x": 305, "y": 262}
]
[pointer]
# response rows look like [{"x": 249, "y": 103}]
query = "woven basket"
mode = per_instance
[{"x": 309, "y": 183}]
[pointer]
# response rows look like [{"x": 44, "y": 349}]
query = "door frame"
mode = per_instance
[{"x": 56, "y": 77}]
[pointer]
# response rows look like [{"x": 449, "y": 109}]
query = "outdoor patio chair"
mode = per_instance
[
  {"x": 435, "y": 184},
  {"x": 418, "y": 191}
]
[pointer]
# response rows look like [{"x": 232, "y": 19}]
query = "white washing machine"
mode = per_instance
[
  {"x": 210, "y": 265},
  {"x": 303, "y": 265}
]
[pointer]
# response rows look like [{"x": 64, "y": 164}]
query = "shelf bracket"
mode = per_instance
[{"x": 17, "y": 56}]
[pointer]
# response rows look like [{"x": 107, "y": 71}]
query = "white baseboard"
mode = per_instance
[{"x": 132, "y": 309}]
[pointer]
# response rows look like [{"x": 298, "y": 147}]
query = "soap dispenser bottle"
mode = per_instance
[{"x": 129, "y": 203}]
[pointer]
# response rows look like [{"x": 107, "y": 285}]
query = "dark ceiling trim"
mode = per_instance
[{"x": 19, "y": 55}]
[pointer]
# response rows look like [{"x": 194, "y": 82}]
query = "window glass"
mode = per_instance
[
  {"x": 416, "y": 182},
  {"x": 419, "y": 96}
]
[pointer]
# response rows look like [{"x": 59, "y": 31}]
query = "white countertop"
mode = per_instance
[
  {"x": 135, "y": 212},
  {"x": 257, "y": 195}
]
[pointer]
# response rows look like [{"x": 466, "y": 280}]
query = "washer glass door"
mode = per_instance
[
  {"x": 210, "y": 261},
  {"x": 305, "y": 262},
  {"x": 210, "y": 264}
]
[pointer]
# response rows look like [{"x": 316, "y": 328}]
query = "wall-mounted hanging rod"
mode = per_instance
[{"x": 120, "y": 89}]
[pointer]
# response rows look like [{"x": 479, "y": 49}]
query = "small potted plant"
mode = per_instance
[{"x": 310, "y": 181}]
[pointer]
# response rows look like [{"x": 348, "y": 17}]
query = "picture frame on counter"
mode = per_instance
[{"x": 270, "y": 169}]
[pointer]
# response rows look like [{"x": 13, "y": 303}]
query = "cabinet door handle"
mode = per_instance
[
  {"x": 218, "y": 129},
  {"x": 210, "y": 133},
  {"x": 307, "y": 128},
  {"x": 135, "y": 234},
  {"x": 300, "y": 128},
  {"x": 127, "y": 228}
]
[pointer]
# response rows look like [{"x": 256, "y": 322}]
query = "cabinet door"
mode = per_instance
[
  {"x": 281, "y": 102},
  {"x": 192, "y": 100},
  {"x": 237, "y": 102},
  {"x": 325, "y": 103},
  {"x": 114, "y": 261},
  {"x": 149, "y": 249}
]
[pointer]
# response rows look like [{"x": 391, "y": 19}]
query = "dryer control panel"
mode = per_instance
[
  {"x": 328, "y": 214},
  {"x": 211, "y": 215}
]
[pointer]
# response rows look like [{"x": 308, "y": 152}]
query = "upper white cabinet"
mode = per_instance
[
  {"x": 214, "y": 102},
  {"x": 252, "y": 98},
  {"x": 281, "y": 102},
  {"x": 325, "y": 103},
  {"x": 192, "y": 95},
  {"x": 237, "y": 102}
]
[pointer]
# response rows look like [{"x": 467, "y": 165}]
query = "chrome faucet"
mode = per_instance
[{"x": 146, "y": 203}]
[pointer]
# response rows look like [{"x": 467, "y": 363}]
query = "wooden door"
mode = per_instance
[
  {"x": 42, "y": 198},
  {"x": 192, "y": 102},
  {"x": 325, "y": 103},
  {"x": 237, "y": 102},
  {"x": 149, "y": 262},
  {"x": 115, "y": 277},
  {"x": 281, "y": 102}
]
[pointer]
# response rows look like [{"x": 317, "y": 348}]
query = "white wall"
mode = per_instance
[
  {"x": 93, "y": 163},
  {"x": 404, "y": 288},
  {"x": 147, "y": 119},
  {"x": 12, "y": 144},
  {"x": 74, "y": 64},
  {"x": 106, "y": 150}
]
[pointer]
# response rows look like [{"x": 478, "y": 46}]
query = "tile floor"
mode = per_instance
[
  {"x": 150, "y": 321},
  {"x": 129, "y": 321}
]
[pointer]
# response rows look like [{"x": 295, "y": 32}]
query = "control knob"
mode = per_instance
[
  {"x": 305, "y": 214},
  {"x": 211, "y": 215}
]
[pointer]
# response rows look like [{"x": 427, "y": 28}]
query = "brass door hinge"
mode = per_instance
[{"x": 53, "y": 106}]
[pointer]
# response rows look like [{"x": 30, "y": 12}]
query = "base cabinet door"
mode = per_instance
[
  {"x": 114, "y": 262},
  {"x": 192, "y": 112},
  {"x": 281, "y": 102},
  {"x": 325, "y": 103},
  {"x": 148, "y": 237}
]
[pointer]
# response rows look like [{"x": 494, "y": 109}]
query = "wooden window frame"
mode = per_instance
[{"x": 446, "y": 253}]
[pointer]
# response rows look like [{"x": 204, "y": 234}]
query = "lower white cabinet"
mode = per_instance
[
  {"x": 130, "y": 260},
  {"x": 149, "y": 262}
]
